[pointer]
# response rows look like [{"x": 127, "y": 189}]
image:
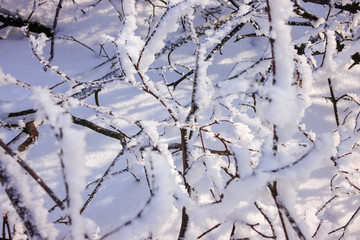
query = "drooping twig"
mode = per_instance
[{"x": 71, "y": 38}]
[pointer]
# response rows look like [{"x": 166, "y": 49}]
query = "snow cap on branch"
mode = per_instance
[
  {"x": 282, "y": 109},
  {"x": 71, "y": 143}
]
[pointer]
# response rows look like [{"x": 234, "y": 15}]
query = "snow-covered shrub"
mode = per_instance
[{"x": 188, "y": 120}]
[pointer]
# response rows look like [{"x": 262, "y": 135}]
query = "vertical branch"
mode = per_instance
[
  {"x": 272, "y": 41},
  {"x": 184, "y": 224},
  {"x": 185, "y": 137},
  {"x": 184, "y": 215},
  {"x": 184, "y": 146},
  {"x": 71, "y": 149},
  {"x": 334, "y": 102},
  {"x": 53, "y": 31},
  {"x": 6, "y": 226},
  {"x": 194, "y": 105},
  {"x": 275, "y": 140},
  {"x": 233, "y": 229},
  {"x": 273, "y": 61},
  {"x": 61, "y": 157}
]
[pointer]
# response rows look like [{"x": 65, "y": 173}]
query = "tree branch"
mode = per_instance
[
  {"x": 352, "y": 8},
  {"x": 11, "y": 19},
  {"x": 32, "y": 173},
  {"x": 16, "y": 198}
]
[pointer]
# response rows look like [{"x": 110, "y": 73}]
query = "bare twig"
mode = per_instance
[
  {"x": 117, "y": 135},
  {"x": 293, "y": 163},
  {"x": 349, "y": 7},
  {"x": 317, "y": 228},
  {"x": 346, "y": 225},
  {"x": 138, "y": 216},
  {"x": 282, "y": 209},
  {"x": 334, "y": 102},
  {"x": 209, "y": 230},
  {"x": 266, "y": 218},
  {"x": 53, "y": 31},
  {"x": 258, "y": 232},
  {"x": 184, "y": 224},
  {"x": 273, "y": 189},
  {"x": 327, "y": 202},
  {"x": 46, "y": 63},
  {"x": 6, "y": 227},
  {"x": 102, "y": 179}
]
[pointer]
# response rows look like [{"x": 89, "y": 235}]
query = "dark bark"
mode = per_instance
[
  {"x": 184, "y": 224},
  {"x": 353, "y": 7},
  {"x": 11, "y": 19}
]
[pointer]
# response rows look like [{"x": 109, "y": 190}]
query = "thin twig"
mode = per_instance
[
  {"x": 282, "y": 209},
  {"x": 273, "y": 189},
  {"x": 334, "y": 102},
  {"x": 102, "y": 179},
  {"x": 53, "y": 31},
  {"x": 266, "y": 218},
  {"x": 209, "y": 230},
  {"x": 346, "y": 225}
]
